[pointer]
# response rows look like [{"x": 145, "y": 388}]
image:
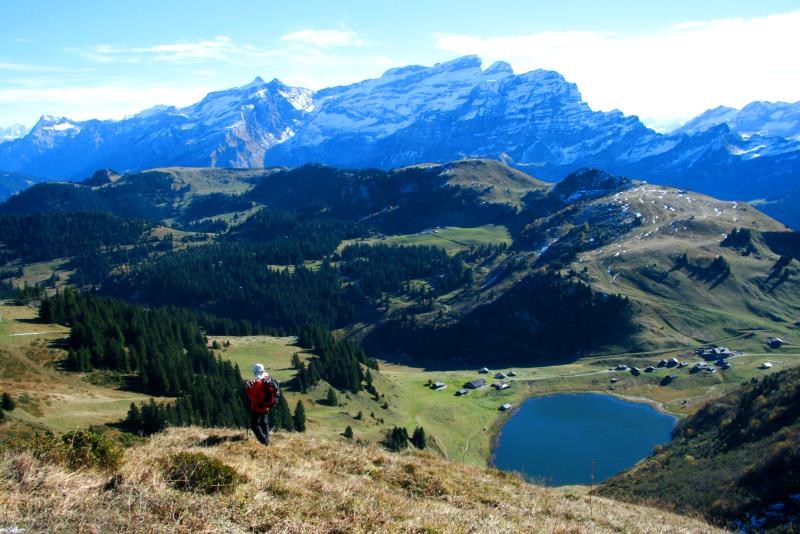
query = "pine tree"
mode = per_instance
[
  {"x": 134, "y": 419},
  {"x": 297, "y": 364},
  {"x": 396, "y": 439},
  {"x": 280, "y": 416},
  {"x": 2, "y": 416},
  {"x": 418, "y": 439},
  {"x": 7, "y": 403},
  {"x": 332, "y": 399},
  {"x": 300, "y": 417},
  {"x": 348, "y": 432}
]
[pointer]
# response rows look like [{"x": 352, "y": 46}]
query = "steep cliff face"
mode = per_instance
[{"x": 457, "y": 109}]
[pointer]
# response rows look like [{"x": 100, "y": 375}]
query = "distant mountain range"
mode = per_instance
[
  {"x": 535, "y": 121},
  {"x": 15, "y": 131}
]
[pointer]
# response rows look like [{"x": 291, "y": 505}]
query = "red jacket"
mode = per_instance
[{"x": 261, "y": 394}]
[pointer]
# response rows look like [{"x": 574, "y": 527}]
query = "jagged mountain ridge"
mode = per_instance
[
  {"x": 775, "y": 119},
  {"x": 537, "y": 121},
  {"x": 231, "y": 128}
]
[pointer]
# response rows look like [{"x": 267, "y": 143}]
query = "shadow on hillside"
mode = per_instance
[
  {"x": 213, "y": 441},
  {"x": 32, "y": 320}
]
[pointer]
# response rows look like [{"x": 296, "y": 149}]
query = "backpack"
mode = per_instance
[{"x": 263, "y": 394}]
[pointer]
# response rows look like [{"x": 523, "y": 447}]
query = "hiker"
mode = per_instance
[{"x": 262, "y": 393}]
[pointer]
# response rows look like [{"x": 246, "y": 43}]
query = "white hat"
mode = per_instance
[{"x": 259, "y": 370}]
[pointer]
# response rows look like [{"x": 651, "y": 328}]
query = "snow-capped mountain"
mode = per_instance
[
  {"x": 537, "y": 121},
  {"x": 457, "y": 109},
  {"x": 15, "y": 131},
  {"x": 772, "y": 119},
  {"x": 232, "y": 128}
]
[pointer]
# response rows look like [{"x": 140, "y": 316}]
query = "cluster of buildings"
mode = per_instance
[{"x": 479, "y": 383}]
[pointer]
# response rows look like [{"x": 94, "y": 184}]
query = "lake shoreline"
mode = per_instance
[{"x": 497, "y": 426}]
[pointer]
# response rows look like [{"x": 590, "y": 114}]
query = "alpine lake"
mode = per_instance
[{"x": 567, "y": 439}]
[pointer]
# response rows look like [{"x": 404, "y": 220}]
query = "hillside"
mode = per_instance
[
  {"x": 490, "y": 227},
  {"x": 156, "y": 195},
  {"x": 464, "y": 193},
  {"x": 305, "y": 484},
  {"x": 738, "y": 457}
]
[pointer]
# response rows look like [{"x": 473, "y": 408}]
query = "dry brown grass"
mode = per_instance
[{"x": 304, "y": 484}]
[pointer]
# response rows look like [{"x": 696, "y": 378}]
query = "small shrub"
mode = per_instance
[
  {"x": 199, "y": 473},
  {"x": 87, "y": 449}
]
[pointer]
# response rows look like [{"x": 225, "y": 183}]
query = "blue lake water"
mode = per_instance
[{"x": 554, "y": 439}]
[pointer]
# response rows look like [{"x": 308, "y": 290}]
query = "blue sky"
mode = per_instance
[{"x": 86, "y": 59}]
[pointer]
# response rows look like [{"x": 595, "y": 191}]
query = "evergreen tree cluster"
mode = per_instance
[
  {"x": 42, "y": 237},
  {"x": 338, "y": 362},
  {"x": 397, "y": 438},
  {"x": 213, "y": 204},
  {"x": 378, "y": 268},
  {"x": 21, "y": 295},
  {"x": 151, "y": 195},
  {"x": 280, "y": 417},
  {"x": 164, "y": 348},
  {"x": 235, "y": 280},
  {"x": 544, "y": 315},
  {"x": 292, "y": 239}
]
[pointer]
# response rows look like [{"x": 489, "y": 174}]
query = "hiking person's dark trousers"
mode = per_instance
[{"x": 258, "y": 422}]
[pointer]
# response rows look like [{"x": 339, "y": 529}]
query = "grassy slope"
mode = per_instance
[
  {"x": 679, "y": 309},
  {"x": 451, "y": 238},
  {"x": 497, "y": 182},
  {"x": 48, "y": 398},
  {"x": 307, "y": 484}
]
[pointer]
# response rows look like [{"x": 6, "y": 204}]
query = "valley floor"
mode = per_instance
[{"x": 462, "y": 428}]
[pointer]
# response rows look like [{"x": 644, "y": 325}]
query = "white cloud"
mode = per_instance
[
  {"x": 663, "y": 77},
  {"x": 220, "y": 48},
  {"x": 323, "y": 38},
  {"x": 28, "y": 67}
]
